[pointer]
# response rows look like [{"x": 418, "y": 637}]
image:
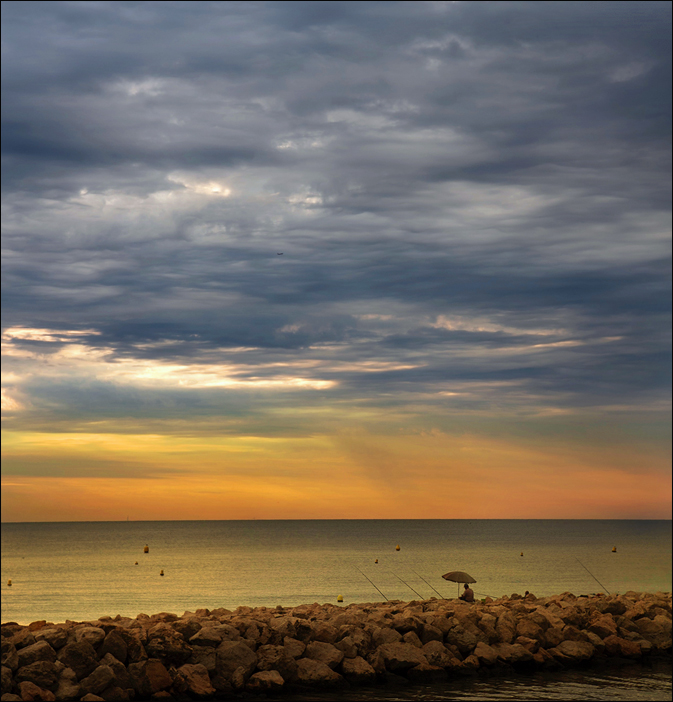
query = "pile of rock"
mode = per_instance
[{"x": 221, "y": 653}]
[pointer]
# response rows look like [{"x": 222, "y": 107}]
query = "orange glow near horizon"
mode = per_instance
[{"x": 349, "y": 476}]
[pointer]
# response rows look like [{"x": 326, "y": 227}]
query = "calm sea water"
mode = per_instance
[{"x": 84, "y": 570}]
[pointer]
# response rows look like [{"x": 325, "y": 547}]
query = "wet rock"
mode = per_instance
[
  {"x": 357, "y": 671},
  {"x": 400, "y": 657},
  {"x": 317, "y": 674},
  {"x": 486, "y": 654},
  {"x": 573, "y": 651},
  {"x": 194, "y": 680},
  {"x": 512, "y": 654},
  {"x": 617, "y": 646},
  {"x": 266, "y": 681}
]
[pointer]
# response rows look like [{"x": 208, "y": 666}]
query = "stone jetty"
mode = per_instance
[{"x": 223, "y": 654}]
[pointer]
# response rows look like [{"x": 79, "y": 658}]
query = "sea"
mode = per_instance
[{"x": 80, "y": 571}]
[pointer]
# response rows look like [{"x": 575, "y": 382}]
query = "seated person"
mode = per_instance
[{"x": 468, "y": 594}]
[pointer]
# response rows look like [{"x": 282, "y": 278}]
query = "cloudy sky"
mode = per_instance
[{"x": 470, "y": 317}]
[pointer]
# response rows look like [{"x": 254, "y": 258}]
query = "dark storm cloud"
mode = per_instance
[{"x": 504, "y": 167}]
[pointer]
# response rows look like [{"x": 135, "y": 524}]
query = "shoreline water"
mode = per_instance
[{"x": 221, "y": 652}]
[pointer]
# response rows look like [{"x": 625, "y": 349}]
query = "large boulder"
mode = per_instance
[
  {"x": 149, "y": 677},
  {"x": 40, "y": 651},
  {"x": 56, "y": 637},
  {"x": 30, "y": 692},
  {"x": 10, "y": 656},
  {"x": 232, "y": 655},
  {"x": 317, "y": 674},
  {"x": 357, "y": 671},
  {"x": 194, "y": 681},
  {"x": 43, "y": 673},
  {"x": 92, "y": 634},
  {"x": 486, "y": 654},
  {"x": 270, "y": 657},
  {"x": 622, "y": 648},
  {"x": 512, "y": 654},
  {"x": 98, "y": 680},
  {"x": 68, "y": 687},
  {"x": 400, "y": 657},
  {"x": 437, "y": 654},
  {"x": 81, "y": 657},
  {"x": 573, "y": 651},
  {"x": 325, "y": 653},
  {"x": 265, "y": 682},
  {"x": 168, "y": 645},
  {"x": 114, "y": 644}
]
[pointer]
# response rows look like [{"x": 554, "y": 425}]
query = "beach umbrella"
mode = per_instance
[{"x": 458, "y": 576}]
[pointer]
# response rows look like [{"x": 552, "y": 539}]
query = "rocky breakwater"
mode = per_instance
[{"x": 222, "y": 654}]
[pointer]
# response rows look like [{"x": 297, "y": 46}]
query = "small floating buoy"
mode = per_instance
[
  {"x": 146, "y": 549},
  {"x": 397, "y": 548},
  {"x": 522, "y": 553},
  {"x": 376, "y": 560},
  {"x": 614, "y": 549},
  {"x": 9, "y": 583},
  {"x": 340, "y": 598},
  {"x": 161, "y": 573},
  {"x": 136, "y": 563}
]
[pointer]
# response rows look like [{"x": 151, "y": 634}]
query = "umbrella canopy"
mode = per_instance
[{"x": 458, "y": 576}]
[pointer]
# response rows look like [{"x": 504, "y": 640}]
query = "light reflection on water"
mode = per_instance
[{"x": 631, "y": 684}]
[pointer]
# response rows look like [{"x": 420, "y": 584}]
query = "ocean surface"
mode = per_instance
[{"x": 84, "y": 570}]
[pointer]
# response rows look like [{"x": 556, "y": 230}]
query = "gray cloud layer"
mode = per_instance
[{"x": 474, "y": 194}]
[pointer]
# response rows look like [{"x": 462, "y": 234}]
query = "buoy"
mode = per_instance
[
  {"x": 146, "y": 549},
  {"x": 614, "y": 549},
  {"x": 376, "y": 561},
  {"x": 136, "y": 562},
  {"x": 397, "y": 548},
  {"x": 522, "y": 553},
  {"x": 340, "y": 598},
  {"x": 161, "y": 573},
  {"x": 9, "y": 582}
]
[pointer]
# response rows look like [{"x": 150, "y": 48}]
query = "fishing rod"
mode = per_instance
[
  {"x": 427, "y": 583},
  {"x": 407, "y": 584},
  {"x": 592, "y": 575},
  {"x": 361, "y": 573}
]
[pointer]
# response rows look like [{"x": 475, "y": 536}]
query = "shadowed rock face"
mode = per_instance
[{"x": 221, "y": 653}]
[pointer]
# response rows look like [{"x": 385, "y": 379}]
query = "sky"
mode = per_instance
[{"x": 304, "y": 260}]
